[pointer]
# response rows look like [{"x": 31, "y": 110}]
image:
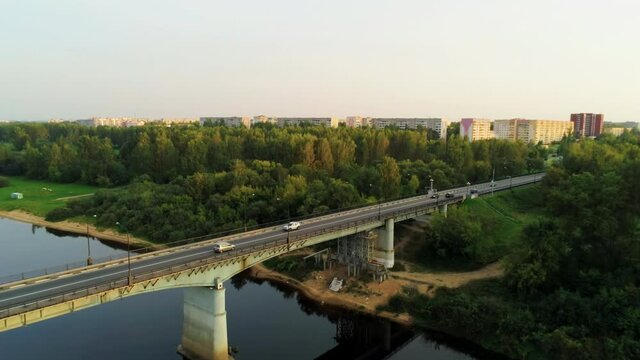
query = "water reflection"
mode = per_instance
[
  {"x": 366, "y": 337},
  {"x": 265, "y": 320}
]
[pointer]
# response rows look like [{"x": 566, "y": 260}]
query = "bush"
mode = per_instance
[
  {"x": 59, "y": 214},
  {"x": 4, "y": 182}
]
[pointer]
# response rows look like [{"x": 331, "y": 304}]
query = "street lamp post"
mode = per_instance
[
  {"x": 377, "y": 198},
  {"x": 89, "y": 259},
  {"x": 288, "y": 216},
  {"x": 493, "y": 178},
  {"x": 244, "y": 213},
  {"x": 431, "y": 181},
  {"x": 468, "y": 188},
  {"x": 129, "y": 277}
]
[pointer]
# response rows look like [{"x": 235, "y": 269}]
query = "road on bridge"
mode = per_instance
[{"x": 28, "y": 293}]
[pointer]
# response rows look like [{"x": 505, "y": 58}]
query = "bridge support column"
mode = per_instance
[
  {"x": 384, "y": 245},
  {"x": 443, "y": 209},
  {"x": 204, "y": 327}
]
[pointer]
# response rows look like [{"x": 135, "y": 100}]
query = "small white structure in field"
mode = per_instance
[
  {"x": 16, "y": 195},
  {"x": 336, "y": 285}
]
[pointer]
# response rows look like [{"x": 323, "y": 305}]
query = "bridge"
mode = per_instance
[{"x": 202, "y": 272}]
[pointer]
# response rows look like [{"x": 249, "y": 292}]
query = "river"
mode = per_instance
[{"x": 265, "y": 321}]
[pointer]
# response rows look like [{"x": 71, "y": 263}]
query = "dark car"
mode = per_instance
[
  {"x": 448, "y": 195},
  {"x": 435, "y": 196}
]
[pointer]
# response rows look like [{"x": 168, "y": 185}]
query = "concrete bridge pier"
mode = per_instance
[
  {"x": 204, "y": 326},
  {"x": 443, "y": 209},
  {"x": 383, "y": 252}
]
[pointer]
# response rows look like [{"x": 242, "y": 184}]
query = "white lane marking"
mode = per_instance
[
  {"x": 190, "y": 255},
  {"x": 101, "y": 276}
]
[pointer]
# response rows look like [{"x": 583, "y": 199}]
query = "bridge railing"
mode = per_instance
[
  {"x": 152, "y": 274},
  {"x": 193, "y": 240}
]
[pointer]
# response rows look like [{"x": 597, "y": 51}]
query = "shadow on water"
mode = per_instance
[
  {"x": 111, "y": 243},
  {"x": 365, "y": 337}
]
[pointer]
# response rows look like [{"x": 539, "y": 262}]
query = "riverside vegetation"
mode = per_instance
[
  {"x": 570, "y": 289},
  {"x": 571, "y": 285},
  {"x": 185, "y": 181}
]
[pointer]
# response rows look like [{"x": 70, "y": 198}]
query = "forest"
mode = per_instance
[
  {"x": 171, "y": 183},
  {"x": 570, "y": 289}
]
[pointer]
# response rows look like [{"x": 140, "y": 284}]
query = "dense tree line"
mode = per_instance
[
  {"x": 571, "y": 286},
  {"x": 223, "y": 177}
]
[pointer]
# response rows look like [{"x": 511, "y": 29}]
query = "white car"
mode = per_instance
[
  {"x": 294, "y": 225},
  {"x": 223, "y": 246}
]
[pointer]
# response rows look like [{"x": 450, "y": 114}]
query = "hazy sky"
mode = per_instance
[{"x": 449, "y": 58}]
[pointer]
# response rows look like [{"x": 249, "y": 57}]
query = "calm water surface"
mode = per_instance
[{"x": 265, "y": 321}]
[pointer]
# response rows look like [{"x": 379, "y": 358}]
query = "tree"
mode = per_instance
[
  {"x": 540, "y": 260},
  {"x": 390, "y": 178},
  {"x": 324, "y": 158}
]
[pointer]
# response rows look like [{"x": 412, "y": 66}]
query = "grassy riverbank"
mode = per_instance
[
  {"x": 483, "y": 231},
  {"x": 40, "y": 197}
]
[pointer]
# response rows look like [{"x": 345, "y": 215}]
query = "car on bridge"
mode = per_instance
[
  {"x": 435, "y": 195},
  {"x": 223, "y": 246},
  {"x": 293, "y": 225},
  {"x": 448, "y": 195}
]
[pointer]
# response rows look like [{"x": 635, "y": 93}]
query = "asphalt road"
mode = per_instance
[{"x": 140, "y": 264}]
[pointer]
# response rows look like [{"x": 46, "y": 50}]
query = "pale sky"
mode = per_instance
[{"x": 451, "y": 58}]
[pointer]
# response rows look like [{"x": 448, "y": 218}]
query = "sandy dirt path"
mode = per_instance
[{"x": 367, "y": 296}]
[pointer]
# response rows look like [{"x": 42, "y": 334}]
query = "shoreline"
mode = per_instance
[
  {"x": 106, "y": 235},
  {"x": 339, "y": 300},
  {"x": 342, "y": 301}
]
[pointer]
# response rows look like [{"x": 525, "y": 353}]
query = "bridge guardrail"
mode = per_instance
[
  {"x": 105, "y": 260},
  {"x": 148, "y": 275}
]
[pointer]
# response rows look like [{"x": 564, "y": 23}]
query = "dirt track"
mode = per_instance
[{"x": 370, "y": 295}]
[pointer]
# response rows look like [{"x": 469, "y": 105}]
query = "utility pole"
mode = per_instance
[
  {"x": 89, "y": 259},
  {"x": 129, "y": 277},
  {"x": 493, "y": 178}
]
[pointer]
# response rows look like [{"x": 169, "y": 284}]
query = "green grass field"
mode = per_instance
[
  {"x": 508, "y": 211},
  {"x": 503, "y": 216},
  {"x": 40, "y": 197}
]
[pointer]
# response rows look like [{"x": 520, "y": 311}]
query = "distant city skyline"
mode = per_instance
[{"x": 495, "y": 59}]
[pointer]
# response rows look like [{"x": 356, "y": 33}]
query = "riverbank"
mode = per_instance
[
  {"x": 366, "y": 297},
  {"x": 78, "y": 228}
]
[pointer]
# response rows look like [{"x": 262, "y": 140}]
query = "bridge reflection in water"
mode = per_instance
[
  {"x": 364, "y": 337},
  {"x": 202, "y": 275}
]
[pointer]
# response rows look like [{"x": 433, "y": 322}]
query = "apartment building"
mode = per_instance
[
  {"x": 113, "y": 121},
  {"x": 357, "y": 121},
  {"x": 177, "y": 121},
  {"x": 318, "y": 121},
  {"x": 587, "y": 124},
  {"x": 263, "y": 119},
  {"x": 545, "y": 131},
  {"x": 232, "y": 121},
  {"x": 615, "y": 131},
  {"x": 476, "y": 129},
  {"x": 439, "y": 125},
  {"x": 535, "y": 131}
]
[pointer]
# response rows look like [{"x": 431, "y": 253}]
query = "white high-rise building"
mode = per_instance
[
  {"x": 476, "y": 129},
  {"x": 439, "y": 125}
]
